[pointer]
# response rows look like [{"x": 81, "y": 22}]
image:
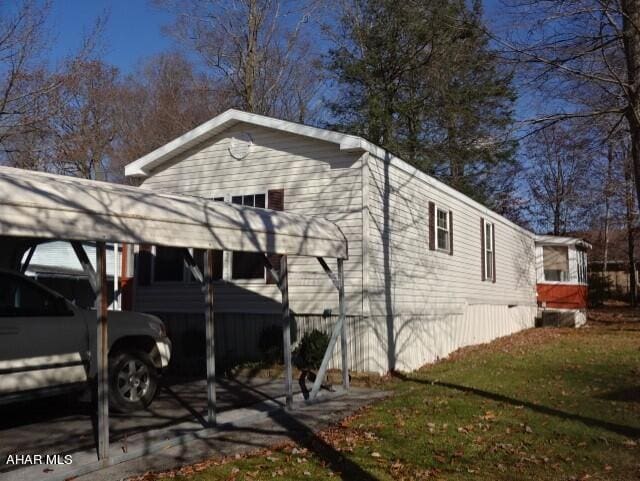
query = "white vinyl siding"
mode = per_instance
[
  {"x": 418, "y": 280},
  {"x": 432, "y": 304},
  {"x": 317, "y": 179}
]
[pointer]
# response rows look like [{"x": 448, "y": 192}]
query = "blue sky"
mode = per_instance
[{"x": 133, "y": 30}]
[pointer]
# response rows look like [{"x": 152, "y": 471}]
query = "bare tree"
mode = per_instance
[
  {"x": 165, "y": 98},
  {"x": 558, "y": 177},
  {"x": 608, "y": 192},
  {"x": 85, "y": 127},
  {"x": 584, "y": 57},
  {"x": 23, "y": 79},
  {"x": 260, "y": 49}
]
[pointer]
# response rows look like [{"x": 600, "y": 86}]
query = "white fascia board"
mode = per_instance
[
  {"x": 142, "y": 166},
  {"x": 552, "y": 240}
]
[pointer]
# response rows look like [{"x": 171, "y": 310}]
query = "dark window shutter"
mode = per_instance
[
  {"x": 450, "y": 233},
  {"x": 432, "y": 226},
  {"x": 275, "y": 201},
  {"x": 482, "y": 253},
  {"x": 145, "y": 257},
  {"x": 493, "y": 246}
]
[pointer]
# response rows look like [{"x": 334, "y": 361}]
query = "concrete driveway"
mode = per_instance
[{"x": 250, "y": 416}]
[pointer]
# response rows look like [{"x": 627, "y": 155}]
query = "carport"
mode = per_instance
[{"x": 38, "y": 206}]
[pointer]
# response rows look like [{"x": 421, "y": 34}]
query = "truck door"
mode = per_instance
[{"x": 43, "y": 339}]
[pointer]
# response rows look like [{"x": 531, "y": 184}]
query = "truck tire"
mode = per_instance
[{"x": 133, "y": 380}]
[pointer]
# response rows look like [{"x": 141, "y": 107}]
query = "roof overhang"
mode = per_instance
[
  {"x": 552, "y": 240},
  {"x": 47, "y": 206},
  {"x": 143, "y": 166}
]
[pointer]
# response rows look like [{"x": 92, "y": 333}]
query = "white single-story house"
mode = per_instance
[{"x": 429, "y": 269}]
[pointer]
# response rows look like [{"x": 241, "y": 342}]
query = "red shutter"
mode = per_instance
[
  {"x": 432, "y": 226},
  {"x": 144, "y": 265},
  {"x": 450, "y": 233},
  {"x": 275, "y": 201},
  {"x": 493, "y": 246},
  {"x": 482, "y": 253}
]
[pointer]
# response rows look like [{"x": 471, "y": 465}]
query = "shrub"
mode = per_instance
[
  {"x": 599, "y": 289},
  {"x": 310, "y": 351},
  {"x": 270, "y": 344}
]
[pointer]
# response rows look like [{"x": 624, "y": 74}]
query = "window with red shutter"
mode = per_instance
[{"x": 432, "y": 226}]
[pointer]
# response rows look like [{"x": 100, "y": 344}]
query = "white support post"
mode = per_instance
[
  {"x": 343, "y": 328},
  {"x": 102, "y": 352},
  {"x": 286, "y": 332},
  {"x": 339, "y": 330},
  {"x": 88, "y": 269},
  {"x": 209, "y": 333},
  {"x": 27, "y": 261}
]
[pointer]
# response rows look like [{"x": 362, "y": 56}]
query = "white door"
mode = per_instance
[{"x": 43, "y": 339}]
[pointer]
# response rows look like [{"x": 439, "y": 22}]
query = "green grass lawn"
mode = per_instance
[{"x": 543, "y": 404}]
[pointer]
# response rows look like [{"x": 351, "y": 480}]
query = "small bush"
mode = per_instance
[
  {"x": 270, "y": 344},
  {"x": 599, "y": 290},
  {"x": 310, "y": 351}
]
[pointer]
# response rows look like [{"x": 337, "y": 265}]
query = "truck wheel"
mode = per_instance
[{"x": 133, "y": 381}]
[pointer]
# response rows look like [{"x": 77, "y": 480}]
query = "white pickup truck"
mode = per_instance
[{"x": 47, "y": 345}]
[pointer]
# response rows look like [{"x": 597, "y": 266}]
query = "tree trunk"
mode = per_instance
[
  {"x": 251, "y": 60},
  {"x": 630, "y": 224},
  {"x": 632, "y": 268},
  {"x": 631, "y": 38},
  {"x": 607, "y": 196}
]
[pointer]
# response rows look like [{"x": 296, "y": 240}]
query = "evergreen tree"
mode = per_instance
[{"x": 419, "y": 78}]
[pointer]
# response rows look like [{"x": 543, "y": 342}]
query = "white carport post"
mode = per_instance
[
  {"x": 339, "y": 330},
  {"x": 282, "y": 280},
  {"x": 102, "y": 351},
  {"x": 98, "y": 281},
  {"x": 207, "y": 282},
  {"x": 286, "y": 331},
  {"x": 343, "y": 328},
  {"x": 209, "y": 334}
]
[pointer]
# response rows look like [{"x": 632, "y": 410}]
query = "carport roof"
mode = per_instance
[{"x": 47, "y": 206}]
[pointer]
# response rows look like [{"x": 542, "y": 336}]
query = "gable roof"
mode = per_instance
[{"x": 143, "y": 166}]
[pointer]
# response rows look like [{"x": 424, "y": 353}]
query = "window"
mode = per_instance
[
  {"x": 168, "y": 264},
  {"x": 21, "y": 298},
  {"x": 582, "y": 266},
  {"x": 488, "y": 251},
  {"x": 198, "y": 257},
  {"x": 251, "y": 200},
  {"x": 442, "y": 229},
  {"x": 556, "y": 263},
  {"x": 248, "y": 265}
]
